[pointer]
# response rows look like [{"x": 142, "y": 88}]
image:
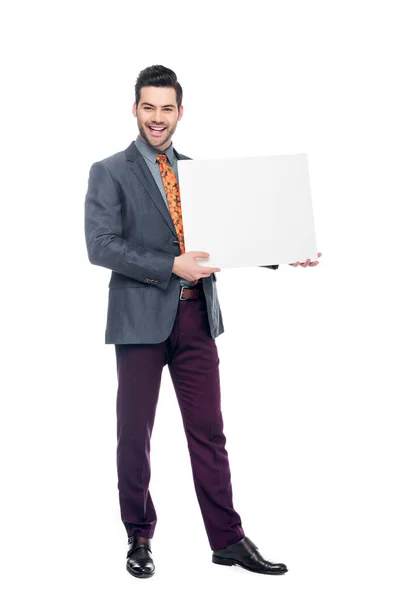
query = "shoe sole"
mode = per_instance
[
  {"x": 229, "y": 562},
  {"x": 140, "y": 575}
]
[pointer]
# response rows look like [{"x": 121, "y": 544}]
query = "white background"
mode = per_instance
[{"x": 309, "y": 357}]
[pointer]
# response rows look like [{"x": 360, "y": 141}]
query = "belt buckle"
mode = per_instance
[{"x": 180, "y": 295}]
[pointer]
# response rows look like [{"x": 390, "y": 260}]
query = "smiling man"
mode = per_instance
[
  {"x": 157, "y": 135},
  {"x": 163, "y": 309}
]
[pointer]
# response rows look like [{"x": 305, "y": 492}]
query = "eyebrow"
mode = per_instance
[{"x": 164, "y": 106}]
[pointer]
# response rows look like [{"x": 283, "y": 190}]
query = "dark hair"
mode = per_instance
[{"x": 158, "y": 76}]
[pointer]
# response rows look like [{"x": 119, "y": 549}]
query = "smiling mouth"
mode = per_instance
[{"x": 156, "y": 131}]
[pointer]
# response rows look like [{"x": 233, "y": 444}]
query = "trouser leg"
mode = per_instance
[
  {"x": 194, "y": 369},
  {"x": 139, "y": 369}
]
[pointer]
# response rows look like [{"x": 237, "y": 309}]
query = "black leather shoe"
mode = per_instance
[
  {"x": 245, "y": 554},
  {"x": 140, "y": 562}
]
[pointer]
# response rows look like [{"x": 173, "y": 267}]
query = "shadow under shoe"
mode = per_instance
[
  {"x": 140, "y": 562},
  {"x": 245, "y": 554}
]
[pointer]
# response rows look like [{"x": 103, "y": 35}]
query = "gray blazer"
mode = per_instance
[{"x": 128, "y": 229}]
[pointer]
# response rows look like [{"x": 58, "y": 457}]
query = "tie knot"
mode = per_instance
[{"x": 161, "y": 158}]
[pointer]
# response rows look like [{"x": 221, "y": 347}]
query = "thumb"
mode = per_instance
[{"x": 200, "y": 254}]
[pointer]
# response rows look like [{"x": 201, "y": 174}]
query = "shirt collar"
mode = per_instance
[{"x": 151, "y": 153}]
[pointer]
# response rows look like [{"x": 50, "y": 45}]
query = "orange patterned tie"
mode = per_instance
[{"x": 171, "y": 187}]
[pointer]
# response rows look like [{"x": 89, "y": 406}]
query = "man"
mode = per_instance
[{"x": 163, "y": 309}]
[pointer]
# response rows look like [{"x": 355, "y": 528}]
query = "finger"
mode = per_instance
[
  {"x": 210, "y": 270},
  {"x": 313, "y": 264}
]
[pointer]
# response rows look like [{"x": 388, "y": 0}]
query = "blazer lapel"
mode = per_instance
[{"x": 139, "y": 167}]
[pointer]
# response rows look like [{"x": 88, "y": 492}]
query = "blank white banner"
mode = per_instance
[{"x": 248, "y": 211}]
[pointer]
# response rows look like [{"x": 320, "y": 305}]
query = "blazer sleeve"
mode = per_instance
[
  {"x": 269, "y": 266},
  {"x": 103, "y": 233}
]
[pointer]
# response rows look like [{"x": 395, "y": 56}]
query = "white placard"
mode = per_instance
[{"x": 248, "y": 211}]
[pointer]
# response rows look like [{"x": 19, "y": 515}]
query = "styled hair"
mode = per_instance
[{"x": 158, "y": 76}]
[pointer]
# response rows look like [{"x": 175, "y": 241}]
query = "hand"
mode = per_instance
[
  {"x": 307, "y": 263},
  {"x": 185, "y": 266}
]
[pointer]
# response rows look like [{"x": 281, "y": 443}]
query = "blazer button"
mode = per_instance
[{"x": 175, "y": 242}]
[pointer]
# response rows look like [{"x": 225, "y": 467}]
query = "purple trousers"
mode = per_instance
[{"x": 193, "y": 362}]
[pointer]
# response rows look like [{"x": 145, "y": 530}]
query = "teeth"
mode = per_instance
[{"x": 157, "y": 128}]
